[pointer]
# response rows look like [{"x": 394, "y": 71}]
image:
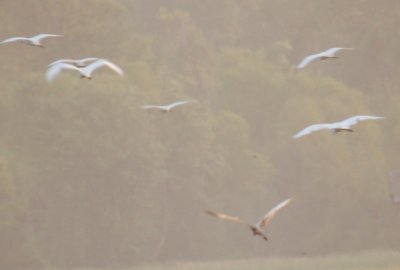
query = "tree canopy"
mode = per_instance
[{"x": 87, "y": 178}]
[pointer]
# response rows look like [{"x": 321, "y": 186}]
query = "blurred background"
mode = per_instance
[{"x": 87, "y": 178}]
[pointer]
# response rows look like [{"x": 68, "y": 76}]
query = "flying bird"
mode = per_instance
[
  {"x": 257, "y": 228},
  {"x": 32, "y": 41},
  {"x": 328, "y": 54},
  {"x": 86, "y": 72},
  {"x": 76, "y": 62},
  {"x": 167, "y": 108},
  {"x": 338, "y": 126}
]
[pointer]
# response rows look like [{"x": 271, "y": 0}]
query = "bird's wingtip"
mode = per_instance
[
  {"x": 209, "y": 212},
  {"x": 301, "y": 65}
]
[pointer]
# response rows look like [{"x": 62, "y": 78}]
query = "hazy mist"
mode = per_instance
[{"x": 89, "y": 179}]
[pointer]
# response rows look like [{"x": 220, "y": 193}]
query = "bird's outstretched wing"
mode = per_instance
[
  {"x": 311, "y": 129},
  {"x": 14, "y": 39},
  {"x": 271, "y": 213},
  {"x": 355, "y": 119},
  {"x": 308, "y": 59},
  {"x": 72, "y": 61},
  {"x": 332, "y": 51},
  {"x": 42, "y": 36},
  {"x": 153, "y": 107},
  {"x": 328, "y": 53},
  {"x": 66, "y": 61},
  {"x": 101, "y": 63},
  {"x": 225, "y": 217},
  {"x": 54, "y": 70},
  {"x": 178, "y": 103},
  {"x": 87, "y": 59}
]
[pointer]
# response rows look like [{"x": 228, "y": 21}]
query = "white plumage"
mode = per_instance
[
  {"x": 169, "y": 107},
  {"x": 86, "y": 72},
  {"x": 76, "y": 62},
  {"x": 328, "y": 54},
  {"x": 338, "y": 126},
  {"x": 33, "y": 41}
]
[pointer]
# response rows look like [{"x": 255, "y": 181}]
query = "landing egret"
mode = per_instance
[{"x": 257, "y": 228}]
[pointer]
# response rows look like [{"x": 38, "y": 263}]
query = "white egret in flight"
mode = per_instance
[
  {"x": 167, "y": 108},
  {"x": 32, "y": 41},
  {"x": 328, "y": 54},
  {"x": 86, "y": 72},
  {"x": 344, "y": 125}
]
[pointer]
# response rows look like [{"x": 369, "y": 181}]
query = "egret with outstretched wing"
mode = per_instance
[
  {"x": 336, "y": 127},
  {"x": 257, "y": 228},
  {"x": 328, "y": 54},
  {"x": 33, "y": 41},
  {"x": 86, "y": 72},
  {"x": 169, "y": 107}
]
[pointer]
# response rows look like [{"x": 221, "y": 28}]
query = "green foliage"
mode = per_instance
[{"x": 88, "y": 178}]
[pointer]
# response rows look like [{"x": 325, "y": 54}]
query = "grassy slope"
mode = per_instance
[{"x": 371, "y": 260}]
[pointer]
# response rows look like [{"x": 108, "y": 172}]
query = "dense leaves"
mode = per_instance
[{"x": 88, "y": 178}]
